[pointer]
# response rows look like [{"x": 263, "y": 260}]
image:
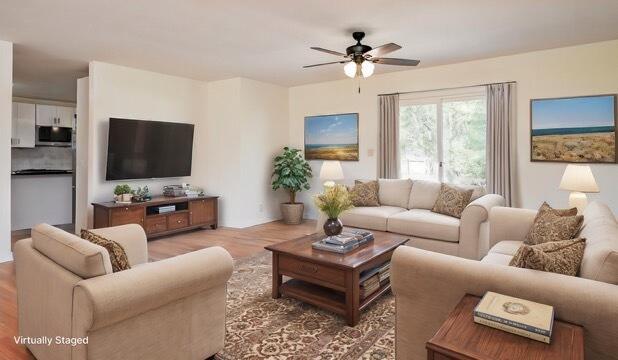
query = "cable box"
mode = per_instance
[{"x": 165, "y": 209}]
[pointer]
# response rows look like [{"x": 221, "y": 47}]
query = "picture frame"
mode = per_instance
[
  {"x": 332, "y": 137},
  {"x": 574, "y": 129}
]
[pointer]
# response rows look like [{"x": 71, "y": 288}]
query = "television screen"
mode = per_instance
[{"x": 139, "y": 149}]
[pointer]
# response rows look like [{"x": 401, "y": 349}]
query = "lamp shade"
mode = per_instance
[
  {"x": 578, "y": 178},
  {"x": 331, "y": 170}
]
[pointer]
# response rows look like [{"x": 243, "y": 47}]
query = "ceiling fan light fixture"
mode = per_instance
[
  {"x": 367, "y": 68},
  {"x": 350, "y": 69}
]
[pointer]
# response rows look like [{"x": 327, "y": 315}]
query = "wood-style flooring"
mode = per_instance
[{"x": 239, "y": 242}]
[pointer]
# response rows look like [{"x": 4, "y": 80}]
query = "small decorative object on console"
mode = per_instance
[
  {"x": 333, "y": 202},
  {"x": 174, "y": 190},
  {"x": 517, "y": 316},
  {"x": 141, "y": 194},
  {"x": 123, "y": 193}
]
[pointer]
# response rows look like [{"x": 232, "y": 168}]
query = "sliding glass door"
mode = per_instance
[{"x": 443, "y": 137}]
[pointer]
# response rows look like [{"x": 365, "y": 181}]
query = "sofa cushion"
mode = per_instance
[
  {"x": 426, "y": 224},
  {"x": 600, "y": 261},
  {"x": 424, "y": 194},
  {"x": 370, "y": 217},
  {"x": 507, "y": 247},
  {"x": 452, "y": 200},
  {"x": 552, "y": 225},
  {"x": 394, "y": 192},
  {"x": 79, "y": 256},
  {"x": 364, "y": 193},
  {"x": 498, "y": 259},
  {"x": 562, "y": 257}
]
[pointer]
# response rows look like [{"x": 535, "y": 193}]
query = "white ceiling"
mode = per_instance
[{"x": 269, "y": 40}]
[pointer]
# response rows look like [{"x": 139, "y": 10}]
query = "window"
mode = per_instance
[{"x": 442, "y": 136}]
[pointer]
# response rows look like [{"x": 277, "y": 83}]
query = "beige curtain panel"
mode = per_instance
[
  {"x": 500, "y": 141},
  {"x": 388, "y": 152}
]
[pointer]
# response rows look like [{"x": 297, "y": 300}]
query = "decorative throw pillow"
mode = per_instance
[
  {"x": 553, "y": 225},
  {"x": 562, "y": 257},
  {"x": 364, "y": 194},
  {"x": 117, "y": 255},
  {"x": 452, "y": 201}
]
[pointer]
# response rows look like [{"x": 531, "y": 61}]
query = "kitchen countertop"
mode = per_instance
[{"x": 41, "y": 172}]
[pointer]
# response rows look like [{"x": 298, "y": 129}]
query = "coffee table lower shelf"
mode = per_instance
[{"x": 326, "y": 298}]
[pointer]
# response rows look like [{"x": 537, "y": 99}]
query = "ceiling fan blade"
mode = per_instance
[
  {"x": 382, "y": 50},
  {"x": 394, "y": 61},
  {"x": 332, "y": 52},
  {"x": 328, "y": 63}
]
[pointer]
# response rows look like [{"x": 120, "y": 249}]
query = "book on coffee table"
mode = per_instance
[{"x": 517, "y": 316}]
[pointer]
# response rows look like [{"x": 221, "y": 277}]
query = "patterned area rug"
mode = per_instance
[{"x": 259, "y": 327}]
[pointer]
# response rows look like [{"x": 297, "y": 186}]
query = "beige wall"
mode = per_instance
[
  {"x": 117, "y": 91},
  {"x": 246, "y": 124},
  {"x": 239, "y": 125},
  {"x": 581, "y": 70},
  {"x": 6, "y": 94},
  {"x": 82, "y": 209}
]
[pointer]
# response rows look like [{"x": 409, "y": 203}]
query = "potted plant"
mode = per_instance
[
  {"x": 141, "y": 194},
  {"x": 123, "y": 193},
  {"x": 333, "y": 202},
  {"x": 291, "y": 173}
]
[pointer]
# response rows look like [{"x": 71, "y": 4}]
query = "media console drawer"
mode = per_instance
[{"x": 191, "y": 213}]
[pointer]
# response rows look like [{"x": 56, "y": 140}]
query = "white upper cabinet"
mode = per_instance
[
  {"x": 50, "y": 115},
  {"x": 23, "y": 125}
]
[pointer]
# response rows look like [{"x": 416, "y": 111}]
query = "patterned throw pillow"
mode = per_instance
[
  {"x": 117, "y": 255},
  {"x": 452, "y": 201},
  {"x": 562, "y": 257},
  {"x": 553, "y": 225},
  {"x": 364, "y": 194}
]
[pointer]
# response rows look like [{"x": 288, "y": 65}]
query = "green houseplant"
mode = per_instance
[
  {"x": 333, "y": 202},
  {"x": 292, "y": 173},
  {"x": 123, "y": 193}
]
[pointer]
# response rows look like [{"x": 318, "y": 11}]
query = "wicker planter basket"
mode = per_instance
[{"x": 292, "y": 213}]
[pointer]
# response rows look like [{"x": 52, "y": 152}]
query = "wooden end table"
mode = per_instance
[
  {"x": 329, "y": 280},
  {"x": 460, "y": 337}
]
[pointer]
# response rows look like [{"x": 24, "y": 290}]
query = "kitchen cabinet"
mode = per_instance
[
  {"x": 23, "y": 125},
  {"x": 51, "y": 115}
]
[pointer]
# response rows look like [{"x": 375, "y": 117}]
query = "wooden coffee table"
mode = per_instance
[{"x": 330, "y": 280}]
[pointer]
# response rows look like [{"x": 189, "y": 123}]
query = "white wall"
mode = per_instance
[
  {"x": 82, "y": 220},
  {"x": 117, "y": 91},
  {"x": 240, "y": 125},
  {"x": 6, "y": 95},
  {"x": 246, "y": 124},
  {"x": 580, "y": 70}
]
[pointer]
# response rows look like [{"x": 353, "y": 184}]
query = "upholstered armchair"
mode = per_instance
[{"x": 168, "y": 309}]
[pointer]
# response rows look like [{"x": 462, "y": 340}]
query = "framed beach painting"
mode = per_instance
[
  {"x": 331, "y": 137},
  {"x": 578, "y": 129}
]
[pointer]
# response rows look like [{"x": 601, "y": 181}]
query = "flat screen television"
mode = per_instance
[{"x": 140, "y": 149}]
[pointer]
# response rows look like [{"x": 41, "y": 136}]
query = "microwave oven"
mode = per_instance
[{"x": 53, "y": 136}]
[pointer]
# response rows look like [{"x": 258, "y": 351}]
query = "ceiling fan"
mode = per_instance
[{"x": 359, "y": 59}]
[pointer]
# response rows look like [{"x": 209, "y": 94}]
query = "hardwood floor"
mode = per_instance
[{"x": 238, "y": 242}]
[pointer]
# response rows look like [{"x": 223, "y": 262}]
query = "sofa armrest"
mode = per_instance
[
  {"x": 509, "y": 224},
  {"x": 109, "y": 299},
  {"x": 470, "y": 235},
  {"x": 132, "y": 238},
  {"x": 428, "y": 285}
]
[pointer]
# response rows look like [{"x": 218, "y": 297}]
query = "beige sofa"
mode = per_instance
[
  {"x": 406, "y": 209},
  {"x": 169, "y": 309},
  {"x": 427, "y": 285}
]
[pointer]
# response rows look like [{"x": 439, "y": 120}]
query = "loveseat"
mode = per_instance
[
  {"x": 405, "y": 208},
  {"x": 168, "y": 309},
  {"x": 427, "y": 285}
]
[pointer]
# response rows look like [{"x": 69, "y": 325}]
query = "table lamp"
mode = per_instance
[
  {"x": 331, "y": 171},
  {"x": 578, "y": 179}
]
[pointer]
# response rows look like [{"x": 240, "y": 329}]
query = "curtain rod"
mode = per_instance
[{"x": 449, "y": 88}]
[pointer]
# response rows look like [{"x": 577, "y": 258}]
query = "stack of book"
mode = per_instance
[
  {"x": 517, "y": 316},
  {"x": 372, "y": 279},
  {"x": 344, "y": 242}
]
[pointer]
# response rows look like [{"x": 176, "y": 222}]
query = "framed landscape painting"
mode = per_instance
[
  {"x": 331, "y": 137},
  {"x": 575, "y": 129}
]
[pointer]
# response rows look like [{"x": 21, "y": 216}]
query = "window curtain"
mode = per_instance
[
  {"x": 388, "y": 151},
  {"x": 500, "y": 139}
]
